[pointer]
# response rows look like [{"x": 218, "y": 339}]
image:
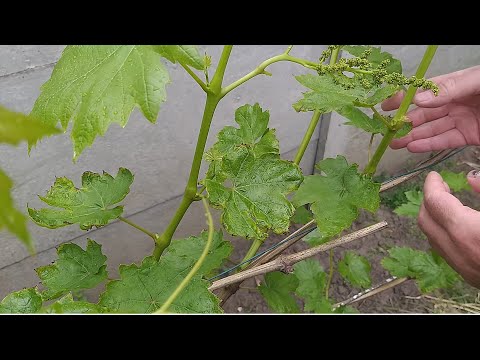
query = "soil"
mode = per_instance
[{"x": 402, "y": 231}]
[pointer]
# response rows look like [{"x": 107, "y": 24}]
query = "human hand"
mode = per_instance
[
  {"x": 452, "y": 229},
  {"x": 449, "y": 120}
]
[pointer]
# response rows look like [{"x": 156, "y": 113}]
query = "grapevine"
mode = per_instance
[{"x": 255, "y": 191}]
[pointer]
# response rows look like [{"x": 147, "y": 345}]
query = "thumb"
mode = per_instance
[
  {"x": 452, "y": 87},
  {"x": 473, "y": 178}
]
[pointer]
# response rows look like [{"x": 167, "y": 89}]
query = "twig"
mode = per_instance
[
  {"x": 195, "y": 77},
  {"x": 285, "y": 263},
  {"x": 277, "y": 251},
  {"x": 138, "y": 227},
  {"x": 390, "y": 184},
  {"x": 455, "y": 304},
  {"x": 387, "y": 284}
]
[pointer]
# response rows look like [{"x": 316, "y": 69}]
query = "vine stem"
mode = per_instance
[
  {"x": 370, "y": 147},
  {"x": 197, "y": 265},
  {"x": 252, "y": 251},
  {"x": 334, "y": 56},
  {"x": 164, "y": 240},
  {"x": 138, "y": 227},
  {"x": 285, "y": 263},
  {"x": 330, "y": 273},
  {"x": 215, "y": 92},
  {"x": 371, "y": 167},
  {"x": 397, "y": 120},
  {"x": 261, "y": 69},
  {"x": 195, "y": 77},
  {"x": 380, "y": 116},
  {"x": 314, "y": 121},
  {"x": 307, "y": 137}
]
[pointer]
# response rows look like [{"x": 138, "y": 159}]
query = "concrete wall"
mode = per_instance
[
  {"x": 159, "y": 155},
  {"x": 353, "y": 143}
]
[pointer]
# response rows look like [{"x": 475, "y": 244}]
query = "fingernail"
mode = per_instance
[
  {"x": 424, "y": 96},
  {"x": 474, "y": 173}
]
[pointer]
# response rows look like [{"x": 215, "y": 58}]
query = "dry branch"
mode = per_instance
[
  {"x": 285, "y": 263},
  {"x": 387, "y": 284}
]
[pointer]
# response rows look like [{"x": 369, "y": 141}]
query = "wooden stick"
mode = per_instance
[
  {"x": 285, "y": 263},
  {"x": 387, "y": 284}
]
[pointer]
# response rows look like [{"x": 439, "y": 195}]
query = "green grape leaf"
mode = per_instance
[
  {"x": 330, "y": 95},
  {"x": 184, "y": 54},
  {"x": 376, "y": 57},
  {"x": 89, "y": 206},
  {"x": 355, "y": 269},
  {"x": 428, "y": 269},
  {"x": 345, "y": 309},
  {"x": 192, "y": 247},
  {"x": 327, "y": 95},
  {"x": 144, "y": 288},
  {"x": 399, "y": 262},
  {"x": 74, "y": 269},
  {"x": 253, "y": 134},
  {"x": 16, "y": 127},
  {"x": 66, "y": 305},
  {"x": 10, "y": 218},
  {"x": 95, "y": 86},
  {"x": 311, "y": 286},
  {"x": 369, "y": 124},
  {"x": 316, "y": 238},
  {"x": 302, "y": 215},
  {"x": 455, "y": 181},
  {"x": 361, "y": 120},
  {"x": 26, "y": 301},
  {"x": 381, "y": 94},
  {"x": 337, "y": 196},
  {"x": 277, "y": 290},
  {"x": 412, "y": 207},
  {"x": 322, "y": 305},
  {"x": 247, "y": 178}
]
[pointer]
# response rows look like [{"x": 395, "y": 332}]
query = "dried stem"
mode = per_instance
[
  {"x": 387, "y": 284},
  {"x": 285, "y": 263}
]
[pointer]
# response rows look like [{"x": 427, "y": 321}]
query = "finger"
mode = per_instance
[
  {"x": 453, "y": 251},
  {"x": 393, "y": 102},
  {"x": 420, "y": 116},
  {"x": 452, "y": 87},
  {"x": 473, "y": 178},
  {"x": 444, "y": 208},
  {"x": 450, "y": 139},
  {"x": 437, "y": 236}
]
